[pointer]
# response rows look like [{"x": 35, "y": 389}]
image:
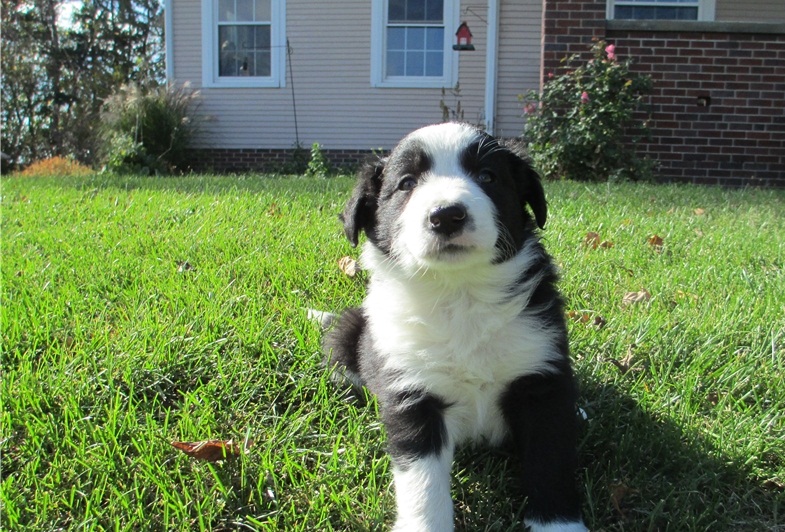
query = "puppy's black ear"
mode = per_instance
[
  {"x": 531, "y": 191},
  {"x": 360, "y": 211}
]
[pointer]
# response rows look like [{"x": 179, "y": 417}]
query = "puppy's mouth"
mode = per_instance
[{"x": 449, "y": 251}]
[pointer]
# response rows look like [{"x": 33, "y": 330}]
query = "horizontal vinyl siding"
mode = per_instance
[
  {"x": 520, "y": 23},
  {"x": 750, "y": 11},
  {"x": 330, "y": 63},
  {"x": 187, "y": 53}
]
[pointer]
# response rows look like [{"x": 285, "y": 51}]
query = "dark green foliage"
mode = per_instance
[
  {"x": 583, "y": 125},
  {"x": 148, "y": 131}
]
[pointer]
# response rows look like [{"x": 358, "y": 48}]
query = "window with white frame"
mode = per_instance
[
  {"x": 412, "y": 43},
  {"x": 661, "y": 9},
  {"x": 243, "y": 43}
]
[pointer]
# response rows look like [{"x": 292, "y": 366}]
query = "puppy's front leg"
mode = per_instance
[
  {"x": 541, "y": 413},
  {"x": 422, "y": 457}
]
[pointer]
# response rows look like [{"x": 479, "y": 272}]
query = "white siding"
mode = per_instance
[{"x": 330, "y": 64}]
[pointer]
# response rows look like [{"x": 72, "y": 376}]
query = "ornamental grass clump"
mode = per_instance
[
  {"x": 585, "y": 123},
  {"x": 148, "y": 131}
]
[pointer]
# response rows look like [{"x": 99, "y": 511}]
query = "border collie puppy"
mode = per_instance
[{"x": 461, "y": 335}]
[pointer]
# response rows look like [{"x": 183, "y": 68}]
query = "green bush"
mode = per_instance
[
  {"x": 583, "y": 125},
  {"x": 148, "y": 131}
]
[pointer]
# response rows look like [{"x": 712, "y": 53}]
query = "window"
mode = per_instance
[
  {"x": 243, "y": 43},
  {"x": 412, "y": 43},
  {"x": 661, "y": 9}
]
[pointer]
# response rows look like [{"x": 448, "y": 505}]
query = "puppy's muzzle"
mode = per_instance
[{"x": 447, "y": 220}]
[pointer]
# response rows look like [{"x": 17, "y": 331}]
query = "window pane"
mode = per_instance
[
  {"x": 395, "y": 64},
  {"x": 435, "y": 39},
  {"x": 244, "y": 10},
  {"x": 244, "y": 50},
  {"x": 415, "y": 10},
  {"x": 396, "y": 38},
  {"x": 434, "y": 63},
  {"x": 396, "y": 11},
  {"x": 415, "y": 39},
  {"x": 415, "y": 63},
  {"x": 226, "y": 10},
  {"x": 401, "y": 11},
  {"x": 434, "y": 10},
  {"x": 263, "y": 12}
]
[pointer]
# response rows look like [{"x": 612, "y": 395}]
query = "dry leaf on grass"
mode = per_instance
[
  {"x": 348, "y": 266},
  {"x": 699, "y": 211},
  {"x": 629, "y": 363},
  {"x": 656, "y": 242},
  {"x": 209, "y": 450},
  {"x": 631, "y": 298},
  {"x": 618, "y": 493},
  {"x": 591, "y": 240},
  {"x": 586, "y": 317},
  {"x": 184, "y": 266}
]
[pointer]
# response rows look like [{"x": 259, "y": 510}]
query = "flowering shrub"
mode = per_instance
[
  {"x": 582, "y": 125},
  {"x": 58, "y": 167}
]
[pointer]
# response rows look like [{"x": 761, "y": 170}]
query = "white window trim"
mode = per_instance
[
  {"x": 277, "y": 77},
  {"x": 378, "y": 47},
  {"x": 706, "y": 9}
]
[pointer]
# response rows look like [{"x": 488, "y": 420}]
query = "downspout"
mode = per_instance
[
  {"x": 491, "y": 64},
  {"x": 168, "y": 41}
]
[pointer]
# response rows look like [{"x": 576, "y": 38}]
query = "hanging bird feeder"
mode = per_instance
[{"x": 464, "y": 38}]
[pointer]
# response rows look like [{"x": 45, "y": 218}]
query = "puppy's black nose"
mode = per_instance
[{"x": 447, "y": 220}]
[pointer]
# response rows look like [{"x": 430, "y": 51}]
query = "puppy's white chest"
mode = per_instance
[{"x": 459, "y": 347}]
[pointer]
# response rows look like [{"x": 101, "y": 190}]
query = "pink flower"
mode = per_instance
[
  {"x": 550, "y": 75},
  {"x": 611, "y": 51},
  {"x": 584, "y": 97},
  {"x": 530, "y": 108}
]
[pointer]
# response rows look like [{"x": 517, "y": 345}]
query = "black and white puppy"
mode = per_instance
[{"x": 461, "y": 335}]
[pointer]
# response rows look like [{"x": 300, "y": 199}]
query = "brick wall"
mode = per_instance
[
  {"x": 271, "y": 160},
  {"x": 718, "y": 102}
]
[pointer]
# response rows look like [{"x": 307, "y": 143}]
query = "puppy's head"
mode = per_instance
[{"x": 448, "y": 195}]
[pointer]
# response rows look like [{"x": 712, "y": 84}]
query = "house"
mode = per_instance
[{"x": 356, "y": 75}]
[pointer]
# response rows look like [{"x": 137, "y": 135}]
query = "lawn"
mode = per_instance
[{"x": 141, "y": 311}]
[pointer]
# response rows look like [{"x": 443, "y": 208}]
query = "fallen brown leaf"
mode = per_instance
[
  {"x": 591, "y": 240},
  {"x": 184, "y": 266},
  {"x": 606, "y": 244},
  {"x": 699, "y": 211},
  {"x": 618, "y": 492},
  {"x": 656, "y": 242},
  {"x": 348, "y": 266},
  {"x": 582, "y": 317},
  {"x": 586, "y": 317},
  {"x": 209, "y": 450},
  {"x": 774, "y": 484},
  {"x": 631, "y": 298}
]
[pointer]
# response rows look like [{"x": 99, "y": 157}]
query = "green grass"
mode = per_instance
[{"x": 110, "y": 351}]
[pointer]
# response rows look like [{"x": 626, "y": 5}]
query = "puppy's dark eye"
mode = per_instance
[
  {"x": 407, "y": 183},
  {"x": 486, "y": 176}
]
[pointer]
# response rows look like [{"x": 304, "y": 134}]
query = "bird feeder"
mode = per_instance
[{"x": 463, "y": 38}]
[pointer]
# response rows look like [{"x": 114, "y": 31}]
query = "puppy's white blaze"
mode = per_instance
[
  {"x": 416, "y": 246},
  {"x": 422, "y": 494}
]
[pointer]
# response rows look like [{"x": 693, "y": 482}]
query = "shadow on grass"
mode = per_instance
[{"x": 639, "y": 472}]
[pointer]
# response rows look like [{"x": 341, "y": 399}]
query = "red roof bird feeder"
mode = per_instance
[{"x": 464, "y": 36}]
